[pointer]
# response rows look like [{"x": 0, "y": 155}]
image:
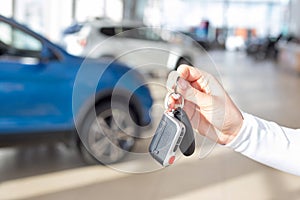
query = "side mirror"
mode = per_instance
[{"x": 46, "y": 54}]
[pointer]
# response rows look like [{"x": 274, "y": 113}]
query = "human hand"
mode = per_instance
[{"x": 208, "y": 105}]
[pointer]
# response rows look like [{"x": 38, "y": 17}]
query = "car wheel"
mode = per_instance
[
  {"x": 182, "y": 61},
  {"x": 109, "y": 135}
]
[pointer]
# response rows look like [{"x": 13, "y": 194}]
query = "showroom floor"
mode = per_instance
[{"x": 261, "y": 88}]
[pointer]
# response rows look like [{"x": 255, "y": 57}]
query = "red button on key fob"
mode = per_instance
[{"x": 171, "y": 160}]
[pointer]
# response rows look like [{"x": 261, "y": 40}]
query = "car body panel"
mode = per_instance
[
  {"x": 129, "y": 43},
  {"x": 36, "y": 92}
]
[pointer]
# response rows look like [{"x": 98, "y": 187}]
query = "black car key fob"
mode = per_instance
[
  {"x": 167, "y": 139},
  {"x": 187, "y": 146}
]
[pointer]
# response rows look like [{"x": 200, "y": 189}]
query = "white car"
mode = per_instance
[{"x": 150, "y": 50}]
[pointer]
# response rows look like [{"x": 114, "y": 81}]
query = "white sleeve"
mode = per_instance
[{"x": 269, "y": 143}]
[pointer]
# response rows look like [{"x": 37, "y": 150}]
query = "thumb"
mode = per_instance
[{"x": 190, "y": 93}]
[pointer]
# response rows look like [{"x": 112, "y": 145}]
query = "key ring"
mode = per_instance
[
  {"x": 176, "y": 85},
  {"x": 176, "y": 93}
]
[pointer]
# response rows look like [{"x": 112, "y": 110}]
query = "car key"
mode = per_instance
[
  {"x": 171, "y": 133},
  {"x": 187, "y": 146},
  {"x": 167, "y": 139}
]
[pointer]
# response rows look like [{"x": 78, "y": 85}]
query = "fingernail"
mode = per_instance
[{"x": 182, "y": 84}]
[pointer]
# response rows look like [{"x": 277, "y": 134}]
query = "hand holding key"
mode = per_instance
[{"x": 208, "y": 105}]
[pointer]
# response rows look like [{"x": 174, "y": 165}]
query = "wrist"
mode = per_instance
[{"x": 232, "y": 132}]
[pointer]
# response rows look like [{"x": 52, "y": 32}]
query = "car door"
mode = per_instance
[
  {"x": 35, "y": 95},
  {"x": 145, "y": 48}
]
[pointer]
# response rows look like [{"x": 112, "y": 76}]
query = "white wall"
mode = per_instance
[
  {"x": 266, "y": 16},
  {"x": 295, "y": 17},
  {"x": 50, "y": 17},
  {"x": 46, "y": 17},
  {"x": 6, "y": 8}
]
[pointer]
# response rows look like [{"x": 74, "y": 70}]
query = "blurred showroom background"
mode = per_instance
[{"x": 252, "y": 46}]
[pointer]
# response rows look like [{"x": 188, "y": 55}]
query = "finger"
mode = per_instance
[
  {"x": 198, "y": 121},
  {"x": 198, "y": 79},
  {"x": 191, "y": 94},
  {"x": 173, "y": 100},
  {"x": 189, "y": 73},
  {"x": 190, "y": 109},
  {"x": 171, "y": 103}
]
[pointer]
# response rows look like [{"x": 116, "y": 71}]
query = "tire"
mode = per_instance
[
  {"x": 103, "y": 140},
  {"x": 182, "y": 61}
]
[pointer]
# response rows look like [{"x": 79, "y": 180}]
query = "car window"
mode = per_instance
[
  {"x": 108, "y": 31},
  {"x": 131, "y": 32},
  {"x": 112, "y": 31},
  {"x": 141, "y": 33},
  {"x": 18, "y": 42}
]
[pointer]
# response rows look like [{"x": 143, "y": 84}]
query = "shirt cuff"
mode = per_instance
[{"x": 243, "y": 134}]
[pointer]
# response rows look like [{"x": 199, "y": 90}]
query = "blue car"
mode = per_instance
[{"x": 49, "y": 95}]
